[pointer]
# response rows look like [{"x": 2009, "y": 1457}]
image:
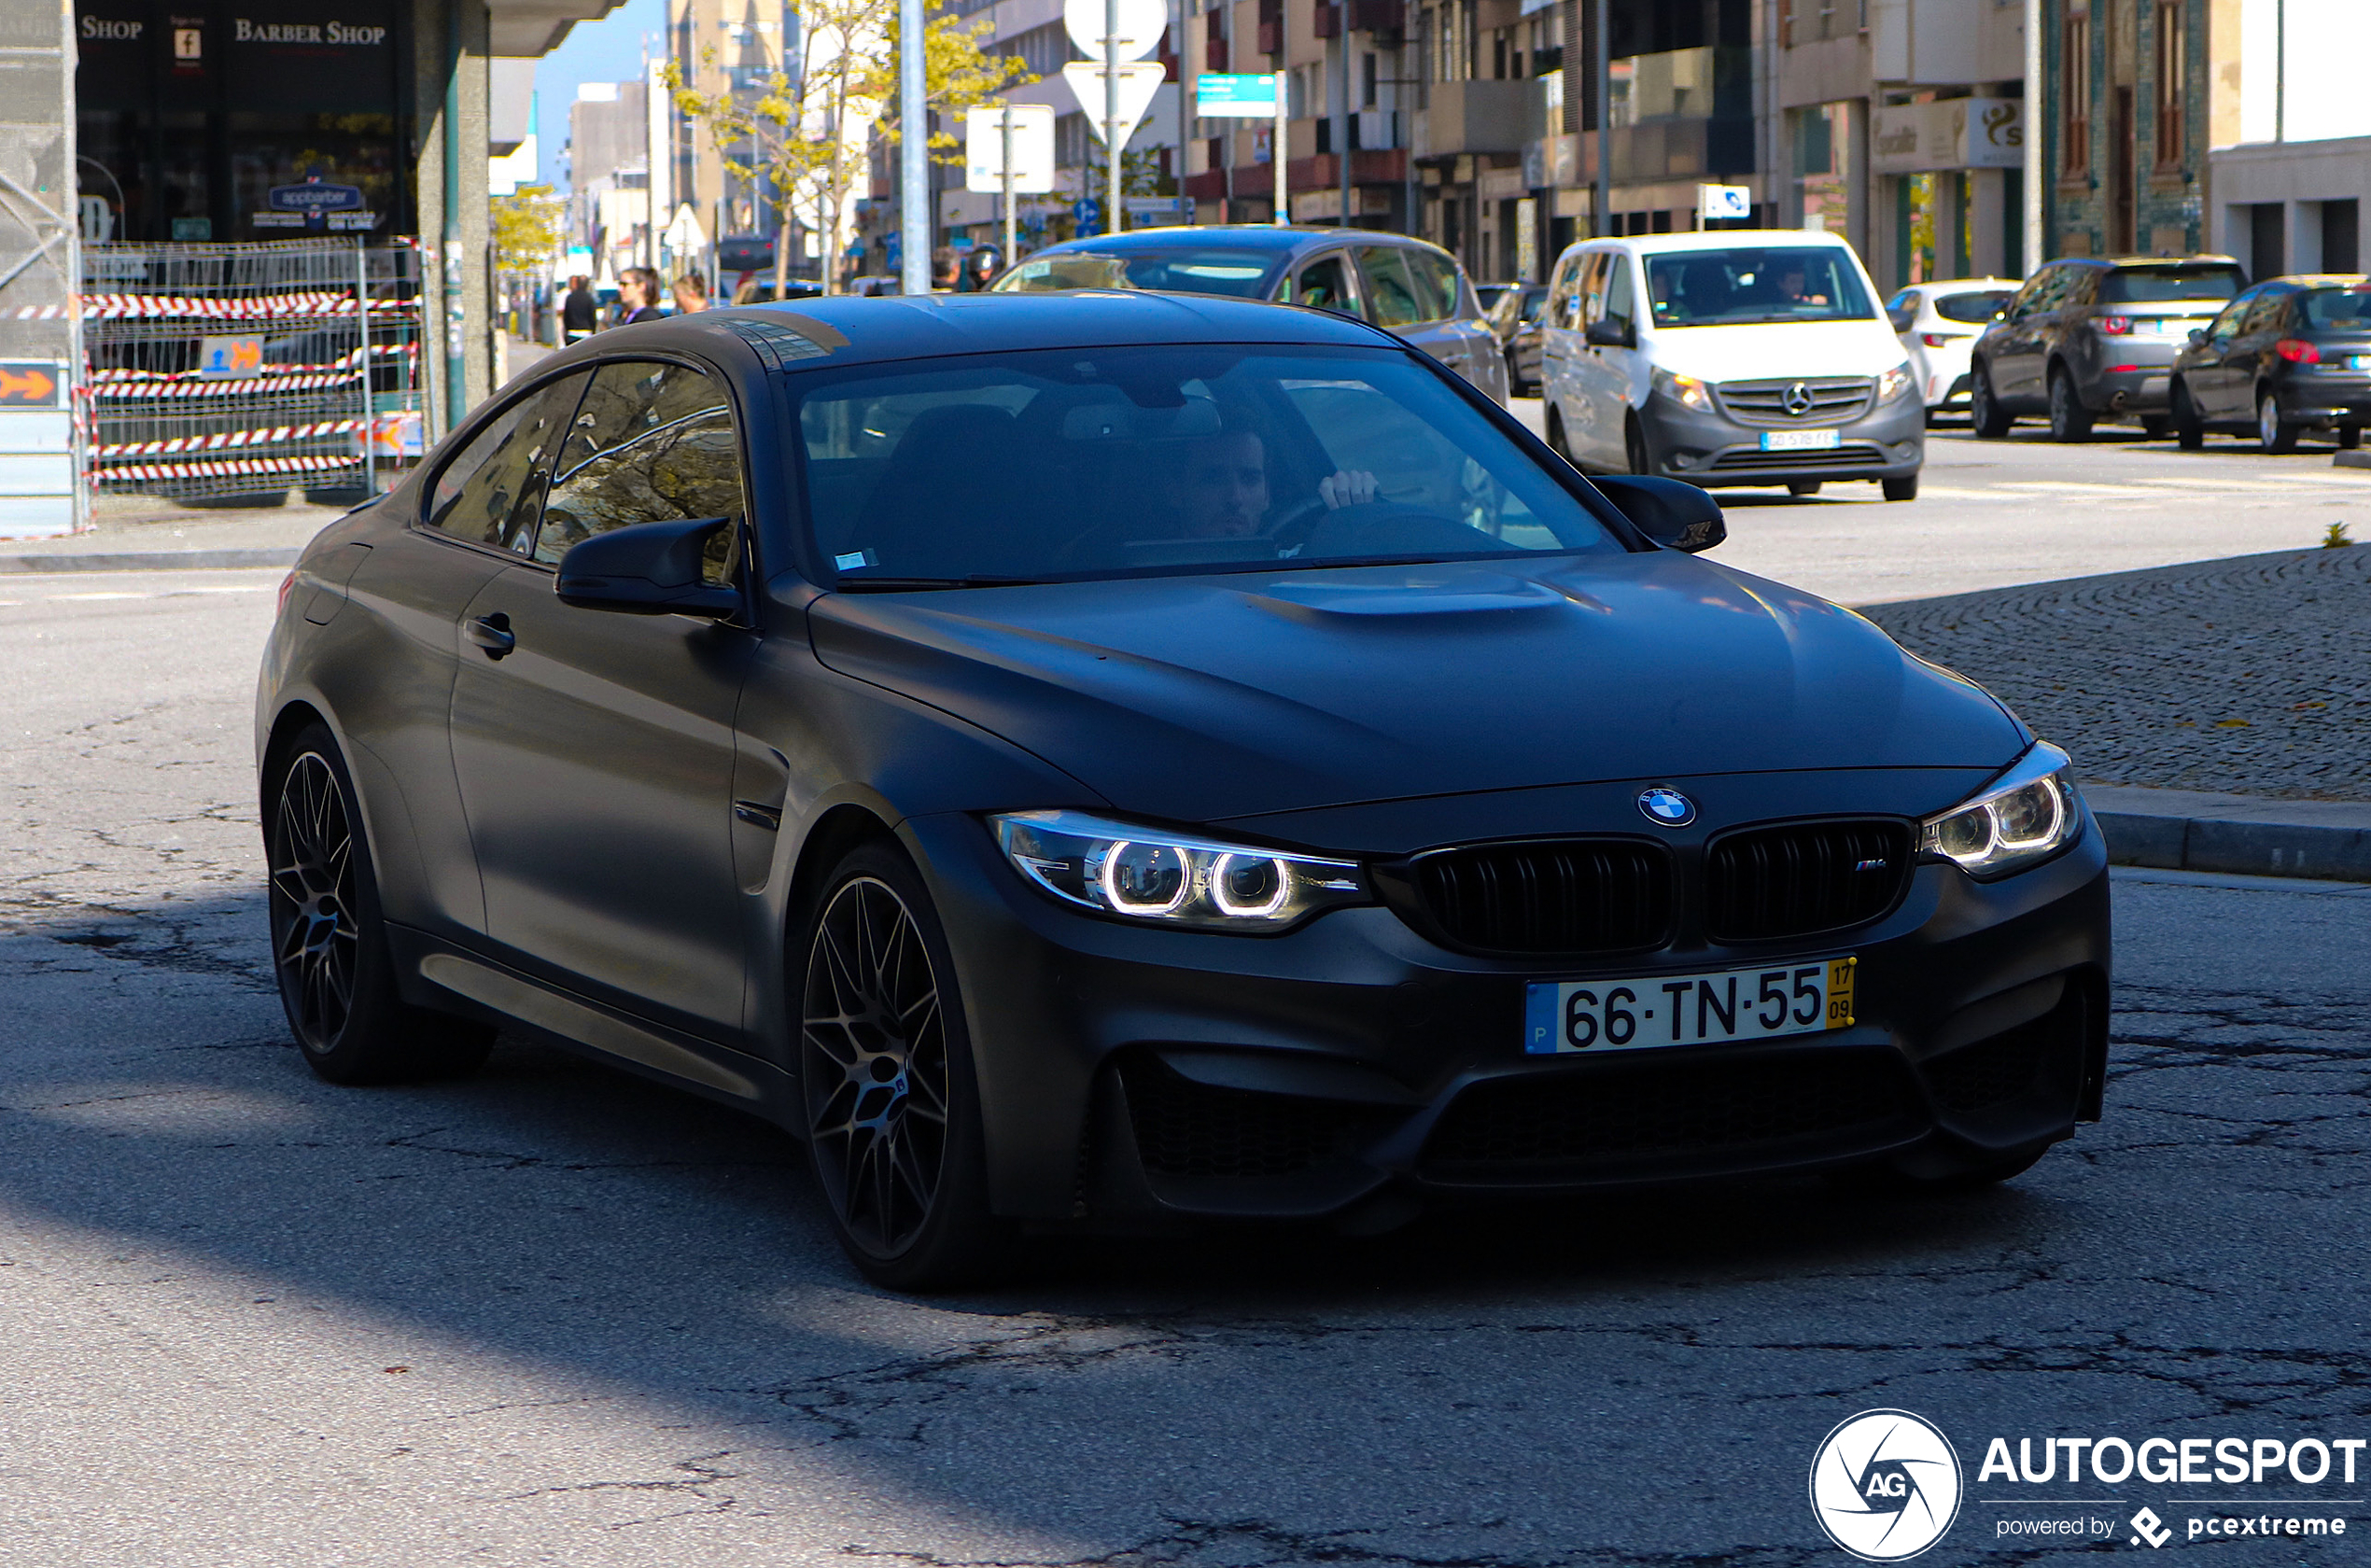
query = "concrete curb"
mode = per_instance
[
  {"x": 152, "y": 560},
  {"x": 2236, "y": 835}
]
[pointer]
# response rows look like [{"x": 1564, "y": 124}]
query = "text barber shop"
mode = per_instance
[{"x": 257, "y": 122}]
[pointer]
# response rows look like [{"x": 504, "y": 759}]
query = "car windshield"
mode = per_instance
[
  {"x": 1765, "y": 282},
  {"x": 1980, "y": 305},
  {"x": 1094, "y": 463},
  {"x": 2338, "y": 310},
  {"x": 1179, "y": 269},
  {"x": 2150, "y": 286}
]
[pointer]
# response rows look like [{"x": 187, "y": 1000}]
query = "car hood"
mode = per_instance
[
  {"x": 1779, "y": 348},
  {"x": 1196, "y": 698}
]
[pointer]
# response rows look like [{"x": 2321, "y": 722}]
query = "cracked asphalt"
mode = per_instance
[{"x": 550, "y": 1315}]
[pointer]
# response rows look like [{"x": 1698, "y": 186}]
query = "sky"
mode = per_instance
[{"x": 609, "y": 49}]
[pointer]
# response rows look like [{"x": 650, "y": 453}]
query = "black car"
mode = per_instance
[
  {"x": 1116, "y": 760},
  {"x": 2092, "y": 339},
  {"x": 1515, "y": 320},
  {"x": 2289, "y": 355},
  {"x": 1415, "y": 290}
]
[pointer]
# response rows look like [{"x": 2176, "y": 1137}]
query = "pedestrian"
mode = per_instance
[
  {"x": 638, "y": 295},
  {"x": 945, "y": 272},
  {"x": 691, "y": 294},
  {"x": 580, "y": 313}
]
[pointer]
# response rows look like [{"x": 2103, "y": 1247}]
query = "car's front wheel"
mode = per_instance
[
  {"x": 885, "y": 1065},
  {"x": 2189, "y": 429},
  {"x": 328, "y": 942},
  {"x": 1636, "y": 451},
  {"x": 1902, "y": 489}
]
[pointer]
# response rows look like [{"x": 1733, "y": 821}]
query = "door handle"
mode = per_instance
[{"x": 493, "y": 633}]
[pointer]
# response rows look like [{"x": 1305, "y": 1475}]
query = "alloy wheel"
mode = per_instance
[
  {"x": 874, "y": 1060},
  {"x": 316, "y": 942},
  {"x": 2274, "y": 433}
]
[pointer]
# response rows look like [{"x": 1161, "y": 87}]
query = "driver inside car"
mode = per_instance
[{"x": 1224, "y": 489}]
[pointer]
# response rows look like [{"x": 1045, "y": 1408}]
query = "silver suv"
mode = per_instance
[{"x": 2092, "y": 339}]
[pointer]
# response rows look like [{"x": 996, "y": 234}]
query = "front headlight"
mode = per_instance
[
  {"x": 1895, "y": 383},
  {"x": 2027, "y": 816},
  {"x": 1168, "y": 878},
  {"x": 1687, "y": 391}
]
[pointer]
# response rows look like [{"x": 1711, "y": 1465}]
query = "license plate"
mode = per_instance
[
  {"x": 1797, "y": 440},
  {"x": 2359, "y": 362},
  {"x": 1569, "y": 1017}
]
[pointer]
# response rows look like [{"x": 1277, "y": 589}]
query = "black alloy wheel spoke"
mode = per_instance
[
  {"x": 316, "y": 944},
  {"x": 874, "y": 1065}
]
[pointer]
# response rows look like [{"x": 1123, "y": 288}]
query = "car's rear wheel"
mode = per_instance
[
  {"x": 1637, "y": 452},
  {"x": 1516, "y": 385},
  {"x": 893, "y": 1105},
  {"x": 1802, "y": 487},
  {"x": 2070, "y": 421},
  {"x": 2189, "y": 430},
  {"x": 2153, "y": 426},
  {"x": 328, "y": 942},
  {"x": 1985, "y": 416},
  {"x": 2273, "y": 433},
  {"x": 1903, "y": 489},
  {"x": 2349, "y": 437},
  {"x": 1556, "y": 443}
]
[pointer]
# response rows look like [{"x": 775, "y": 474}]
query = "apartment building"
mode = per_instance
[
  {"x": 607, "y": 156},
  {"x": 2131, "y": 88},
  {"x": 2289, "y": 133},
  {"x": 721, "y": 46}
]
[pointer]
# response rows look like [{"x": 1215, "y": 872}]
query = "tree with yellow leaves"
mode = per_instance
[{"x": 809, "y": 139}]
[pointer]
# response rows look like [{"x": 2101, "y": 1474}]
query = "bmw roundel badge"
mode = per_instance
[{"x": 1667, "y": 808}]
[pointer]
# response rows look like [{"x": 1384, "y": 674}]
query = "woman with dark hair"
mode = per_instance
[{"x": 637, "y": 290}]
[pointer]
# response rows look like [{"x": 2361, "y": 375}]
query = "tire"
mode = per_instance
[
  {"x": 2349, "y": 437},
  {"x": 1556, "y": 443},
  {"x": 1904, "y": 489},
  {"x": 2070, "y": 421},
  {"x": 1637, "y": 453},
  {"x": 329, "y": 939},
  {"x": 2189, "y": 430},
  {"x": 892, "y": 1102},
  {"x": 2273, "y": 433},
  {"x": 2156, "y": 427},
  {"x": 1516, "y": 385},
  {"x": 1985, "y": 416},
  {"x": 1885, "y": 1181},
  {"x": 1803, "y": 486}
]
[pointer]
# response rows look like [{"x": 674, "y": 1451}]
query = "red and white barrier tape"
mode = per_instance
[
  {"x": 229, "y": 439},
  {"x": 110, "y": 307},
  {"x": 222, "y": 467}
]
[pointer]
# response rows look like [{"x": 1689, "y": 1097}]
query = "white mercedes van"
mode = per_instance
[{"x": 1729, "y": 358}]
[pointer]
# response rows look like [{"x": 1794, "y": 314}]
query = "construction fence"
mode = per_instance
[{"x": 235, "y": 372}]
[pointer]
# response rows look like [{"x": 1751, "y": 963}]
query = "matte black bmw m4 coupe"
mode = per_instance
[{"x": 1111, "y": 761}]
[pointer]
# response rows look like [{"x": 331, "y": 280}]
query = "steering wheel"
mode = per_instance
[{"x": 1380, "y": 529}]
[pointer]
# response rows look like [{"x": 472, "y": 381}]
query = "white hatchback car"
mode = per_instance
[{"x": 1939, "y": 324}]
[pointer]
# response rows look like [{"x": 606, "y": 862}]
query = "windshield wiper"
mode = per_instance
[{"x": 969, "y": 580}]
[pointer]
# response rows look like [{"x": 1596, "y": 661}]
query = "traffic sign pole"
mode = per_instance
[
  {"x": 1111, "y": 115},
  {"x": 1010, "y": 225},
  {"x": 1276, "y": 139}
]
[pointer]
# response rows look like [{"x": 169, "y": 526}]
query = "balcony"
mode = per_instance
[
  {"x": 1377, "y": 16},
  {"x": 1668, "y": 149},
  {"x": 1271, "y": 37},
  {"x": 1367, "y": 166},
  {"x": 1208, "y": 186},
  {"x": 1327, "y": 20},
  {"x": 1479, "y": 116}
]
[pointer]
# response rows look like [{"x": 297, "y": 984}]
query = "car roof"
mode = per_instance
[
  {"x": 2202, "y": 259},
  {"x": 1271, "y": 237},
  {"x": 1718, "y": 239},
  {"x": 1963, "y": 285},
  {"x": 855, "y": 329}
]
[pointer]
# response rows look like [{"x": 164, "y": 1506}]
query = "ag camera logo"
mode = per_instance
[{"x": 1886, "y": 1485}]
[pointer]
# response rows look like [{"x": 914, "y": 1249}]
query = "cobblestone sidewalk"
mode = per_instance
[{"x": 2251, "y": 676}]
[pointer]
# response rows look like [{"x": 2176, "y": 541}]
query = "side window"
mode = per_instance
[
  {"x": 2081, "y": 289},
  {"x": 1392, "y": 299},
  {"x": 2041, "y": 292},
  {"x": 488, "y": 492},
  {"x": 651, "y": 442},
  {"x": 1562, "y": 289},
  {"x": 1592, "y": 299},
  {"x": 1439, "y": 288},
  {"x": 2265, "y": 311},
  {"x": 1619, "y": 307},
  {"x": 2226, "y": 325},
  {"x": 1325, "y": 284}
]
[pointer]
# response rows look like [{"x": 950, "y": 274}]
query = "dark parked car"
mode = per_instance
[
  {"x": 2289, "y": 355},
  {"x": 2091, "y": 339},
  {"x": 1414, "y": 290},
  {"x": 1117, "y": 761},
  {"x": 1515, "y": 320}
]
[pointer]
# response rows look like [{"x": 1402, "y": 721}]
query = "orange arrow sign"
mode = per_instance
[{"x": 27, "y": 383}]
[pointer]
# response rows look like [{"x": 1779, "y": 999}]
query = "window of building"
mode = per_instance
[
  {"x": 2173, "y": 75},
  {"x": 2074, "y": 92}
]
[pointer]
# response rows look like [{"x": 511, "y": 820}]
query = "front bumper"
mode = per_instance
[
  {"x": 1131, "y": 1076},
  {"x": 1706, "y": 447}
]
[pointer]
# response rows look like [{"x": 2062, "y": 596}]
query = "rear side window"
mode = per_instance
[
  {"x": 2337, "y": 310},
  {"x": 1436, "y": 274},
  {"x": 1397, "y": 295},
  {"x": 653, "y": 443},
  {"x": 1982, "y": 305},
  {"x": 1325, "y": 284},
  {"x": 489, "y": 491},
  {"x": 2266, "y": 313},
  {"x": 2149, "y": 285}
]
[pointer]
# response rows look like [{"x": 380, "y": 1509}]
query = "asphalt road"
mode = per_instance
[
  {"x": 1994, "y": 514},
  {"x": 551, "y": 1315}
]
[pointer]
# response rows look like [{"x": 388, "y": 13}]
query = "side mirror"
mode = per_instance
[
  {"x": 650, "y": 568},
  {"x": 1610, "y": 332},
  {"x": 1673, "y": 512},
  {"x": 2197, "y": 336}
]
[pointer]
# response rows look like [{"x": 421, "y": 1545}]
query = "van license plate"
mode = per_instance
[
  {"x": 1797, "y": 440},
  {"x": 1595, "y": 1017}
]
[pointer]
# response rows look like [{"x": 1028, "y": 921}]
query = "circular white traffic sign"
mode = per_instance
[{"x": 1141, "y": 25}]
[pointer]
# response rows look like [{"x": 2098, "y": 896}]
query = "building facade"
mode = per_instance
[{"x": 2288, "y": 159}]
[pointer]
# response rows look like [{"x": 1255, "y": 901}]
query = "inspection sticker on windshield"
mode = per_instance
[
  {"x": 1797, "y": 440},
  {"x": 1598, "y": 1015}
]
